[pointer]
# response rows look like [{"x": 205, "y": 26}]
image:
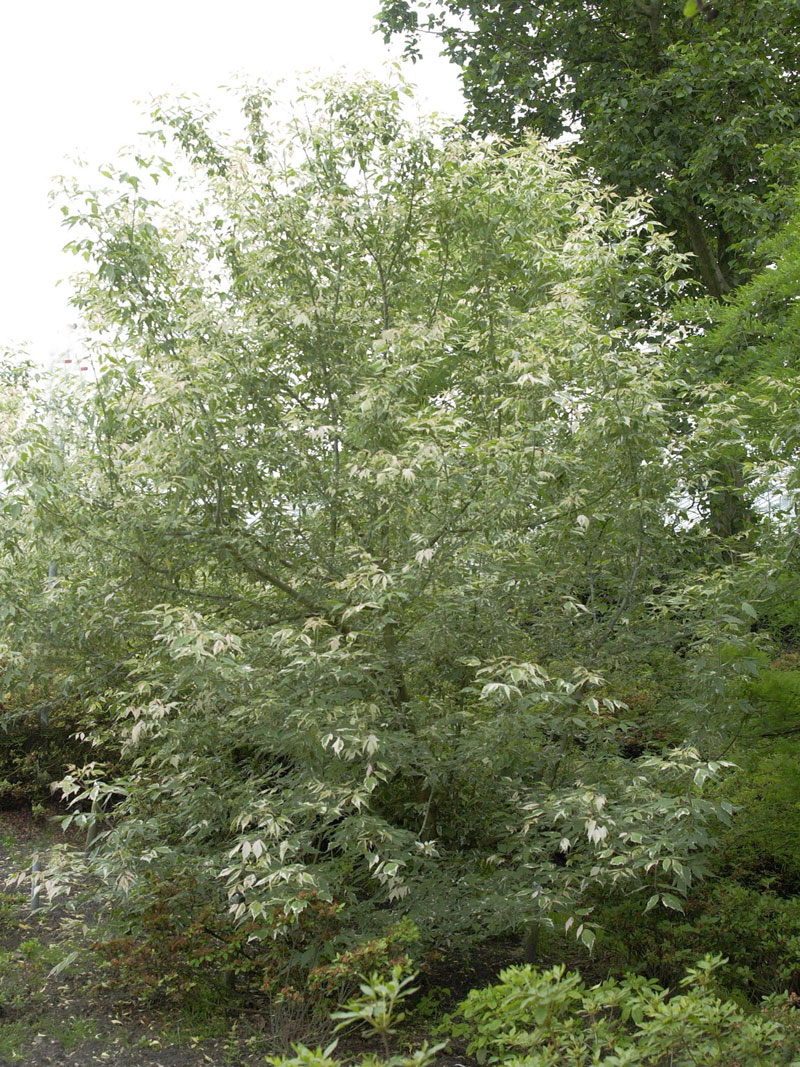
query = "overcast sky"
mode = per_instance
[{"x": 72, "y": 71}]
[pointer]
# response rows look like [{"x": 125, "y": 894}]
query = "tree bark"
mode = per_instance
[
  {"x": 710, "y": 270},
  {"x": 729, "y": 514}
]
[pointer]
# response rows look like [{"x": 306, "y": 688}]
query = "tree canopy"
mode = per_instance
[
  {"x": 370, "y": 547},
  {"x": 701, "y": 114}
]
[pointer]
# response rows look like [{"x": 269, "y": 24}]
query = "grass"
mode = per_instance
[
  {"x": 14, "y": 1037},
  {"x": 73, "y": 1031},
  {"x": 193, "y": 1031},
  {"x": 10, "y": 904}
]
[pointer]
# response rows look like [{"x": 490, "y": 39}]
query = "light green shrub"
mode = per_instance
[{"x": 553, "y": 1019}]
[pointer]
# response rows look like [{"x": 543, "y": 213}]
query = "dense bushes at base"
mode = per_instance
[
  {"x": 757, "y": 932},
  {"x": 185, "y": 948},
  {"x": 749, "y": 909},
  {"x": 553, "y": 1019},
  {"x": 535, "y": 1018}
]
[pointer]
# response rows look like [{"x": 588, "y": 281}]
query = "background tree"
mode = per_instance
[
  {"x": 701, "y": 115},
  {"x": 743, "y": 360}
]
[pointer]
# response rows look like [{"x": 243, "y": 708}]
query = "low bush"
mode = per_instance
[
  {"x": 185, "y": 950},
  {"x": 187, "y": 947},
  {"x": 757, "y": 932},
  {"x": 553, "y": 1019}
]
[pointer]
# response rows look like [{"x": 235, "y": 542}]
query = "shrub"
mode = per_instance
[
  {"x": 553, "y": 1019},
  {"x": 336, "y": 979},
  {"x": 376, "y": 488},
  {"x": 184, "y": 949},
  {"x": 764, "y": 839},
  {"x": 757, "y": 932},
  {"x": 185, "y": 945}
]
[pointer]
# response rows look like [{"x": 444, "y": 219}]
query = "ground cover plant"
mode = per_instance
[{"x": 552, "y": 1019}]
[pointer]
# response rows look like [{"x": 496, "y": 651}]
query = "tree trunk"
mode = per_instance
[
  {"x": 710, "y": 270},
  {"x": 729, "y": 514}
]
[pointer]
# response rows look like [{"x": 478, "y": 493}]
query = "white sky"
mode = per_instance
[{"x": 70, "y": 75}]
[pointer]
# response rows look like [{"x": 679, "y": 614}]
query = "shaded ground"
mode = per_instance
[
  {"x": 54, "y": 1011},
  {"x": 51, "y": 1018}
]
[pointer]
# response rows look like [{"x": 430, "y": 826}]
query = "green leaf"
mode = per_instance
[
  {"x": 690, "y": 8},
  {"x": 588, "y": 937},
  {"x": 671, "y": 901}
]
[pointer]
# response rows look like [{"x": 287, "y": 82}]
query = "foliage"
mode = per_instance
[
  {"x": 318, "y": 1057},
  {"x": 761, "y": 847},
  {"x": 337, "y": 979},
  {"x": 178, "y": 954},
  {"x": 31, "y": 759},
  {"x": 552, "y": 1019},
  {"x": 756, "y": 930},
  {"x": 41, "y": 732},
  {"x": 748, "y": 347},
  {"x": 702, "y": 114},
  {"x": 748, "y": 912},
  {"x": 377, "y": 1006},
  {"x": 182, "y": 948},
  {"x": 377, "y": 500}
]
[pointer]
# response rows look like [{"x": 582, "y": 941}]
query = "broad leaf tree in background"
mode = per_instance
[
  {"x": 743, "y": 360},
  {"x": 376, "y": 501},
  {"x": 702, "y": 115}
]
